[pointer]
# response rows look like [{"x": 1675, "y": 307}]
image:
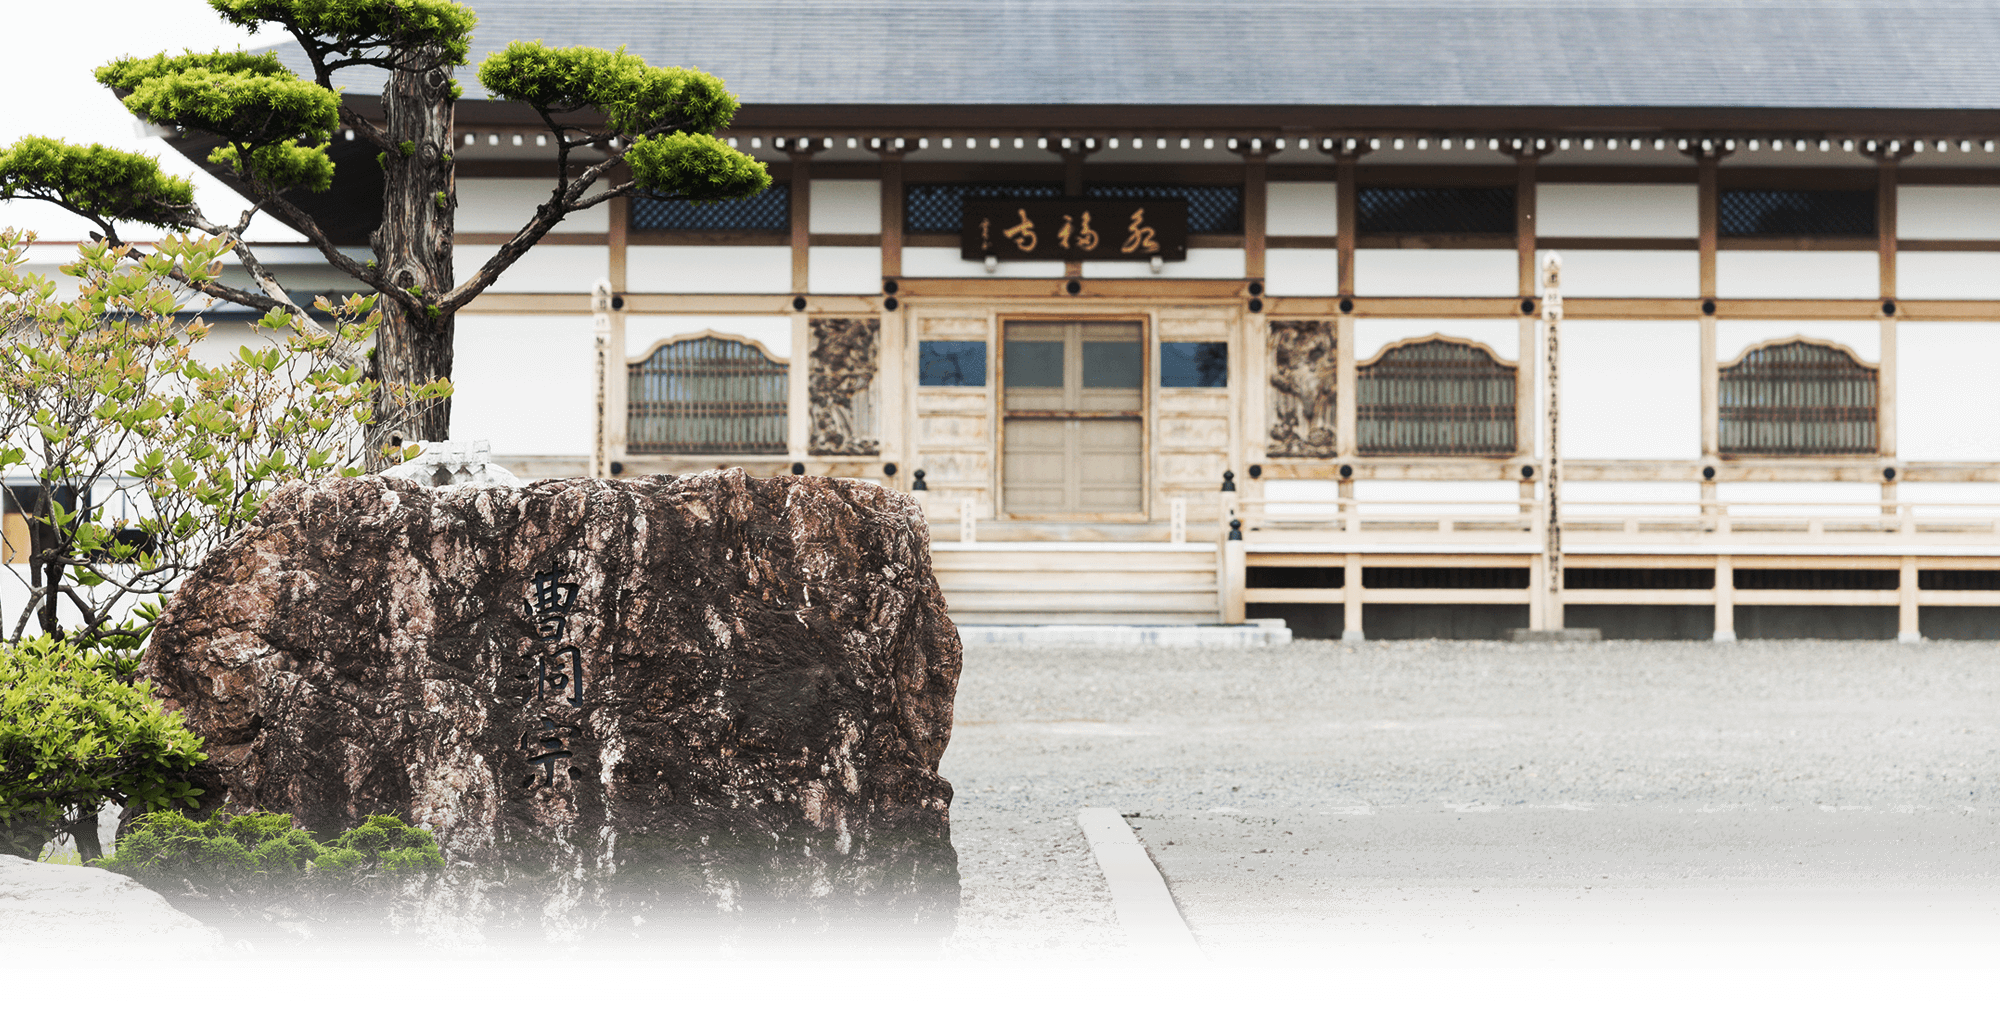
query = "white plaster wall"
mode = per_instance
[
  {"x": 1734, "y": 336},
  {"x": 1947, "y": 275},
  {"x": 842, "y": 270},
  {"x": 1746, "y": 274},
  {"x": 1502, "y": 336},
  {"x": 1827, "y": 499},
  {"x": 1200, "y": 264},
  {"x": 1302, "y": 271},
  {"x": 525, "y": 383},
  {"x": 1948, "y": 391},
  {"x": 709, "y": 269},
  {"x": 773, "y": 332},
  {"x": 1631, "y": 389},
  {"x": 544, "y": 269},
  {"x": 1631, "y": 499},
  {"x": 1615, "y": 210},
  {"x": 944, "y": 262},
  {"x": 1302, "y": 498},
  {"x": 1629, "y": 274},
  {"x": 846, "y": 207},
  {"x": 1426, "y": 272},
  {"x": 504, "y": 205},
  {"x": 1300, "y": 209},
  {"x": 1948, "y": 213}
]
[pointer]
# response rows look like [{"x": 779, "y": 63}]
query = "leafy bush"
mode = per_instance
[
  {"x": 72, "y": 738},
  {"x": 261, "y": 855}
]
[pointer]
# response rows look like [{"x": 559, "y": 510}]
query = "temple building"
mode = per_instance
[{"x": 1195, "y": 313}]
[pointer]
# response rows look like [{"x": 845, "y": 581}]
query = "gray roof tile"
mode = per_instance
[{"x": 1920, "y": 54}]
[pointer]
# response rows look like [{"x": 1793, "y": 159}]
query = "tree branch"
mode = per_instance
[
  {"x": 562, "y": 201},
  {"x": 363, "y": 128}
]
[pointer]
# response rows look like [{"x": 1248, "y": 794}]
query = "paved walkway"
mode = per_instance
[{"x": 1420, "y": 800}]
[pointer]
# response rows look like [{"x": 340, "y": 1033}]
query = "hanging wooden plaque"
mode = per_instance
[{"x": 1075, "y": 229}]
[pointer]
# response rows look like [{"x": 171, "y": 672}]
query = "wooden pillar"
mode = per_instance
[
  {"x": 798, "y": 400},
  {"x": 1524, "y": 223},
  {"x": 1346, "y": 422},
  {"x": 1907, "y": 629},
  {"x": 1885, "y": 223},
  {"x": 1725, "y": 599},
  {"x": 1885, "y": 230},
  {"x": 801, "y": 151},
  {"x": 615, "y": 383},
  {"x": 1528, "y": 400},
  {"x": 1073, "y": 188},
  {"x": 1351, "y": 629},
  {"x": 1711, "y": 390},
  {"x": 892, "y": 209},
  {"x": 1255, "y": 171},
  {"x": 1345, "y": 217},
  {"x": 1707, "y": 218}
]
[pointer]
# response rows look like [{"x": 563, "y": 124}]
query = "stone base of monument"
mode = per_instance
[
  {"x": 617, "y": 704},
  {"x": 1555, "y": 635}
]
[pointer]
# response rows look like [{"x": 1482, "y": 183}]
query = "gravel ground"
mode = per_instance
[{"x": 1404, "y": 793}]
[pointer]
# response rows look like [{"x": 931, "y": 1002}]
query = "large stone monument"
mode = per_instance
[{"x": 608, "y": 699}]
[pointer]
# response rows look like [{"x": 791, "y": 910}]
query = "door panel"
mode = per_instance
[{"x": 1074, "y": 400}]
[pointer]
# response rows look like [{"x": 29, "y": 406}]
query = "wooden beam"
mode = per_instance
[
  {"x": 1885, "y": 223},
  {"x": 1254, "y": 194},
  {"x": 1524, "y": 224},
  {"x": 1706, "y": 220},
  {"x": 1345, "y": 216}
]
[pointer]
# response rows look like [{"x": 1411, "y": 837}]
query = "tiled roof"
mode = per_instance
[{"x": 1921, "y": 54}]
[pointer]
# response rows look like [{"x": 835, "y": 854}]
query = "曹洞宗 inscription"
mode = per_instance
[
  {"x": 1075, "y": 229},
  {"x": 555, "y": 675}
]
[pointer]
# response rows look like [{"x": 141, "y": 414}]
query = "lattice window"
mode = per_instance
[
  {"x": 1211, "y": 210},
  {"x": 1434, "y": 210},
  {"x": 1797, "y": 398},
  {"x": 1796, "y": 213},
  {"x": 770, "y": 209},
  {"x": 939, "y": 208},
  {"x": 706, "y": 394},
  {"x": 1436, "y": 397}
]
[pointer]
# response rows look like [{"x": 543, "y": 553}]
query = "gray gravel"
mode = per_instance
[{"x": 1307, "y": 789}]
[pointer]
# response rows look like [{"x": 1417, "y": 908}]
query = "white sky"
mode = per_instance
[{"x": 46, "y": 59}]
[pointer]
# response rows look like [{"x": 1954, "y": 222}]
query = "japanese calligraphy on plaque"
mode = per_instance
[{"x": 1075, "y": 229}]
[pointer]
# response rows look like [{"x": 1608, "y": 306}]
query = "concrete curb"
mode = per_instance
[
  {"x": 1146, "y": 909},
  {"x": 1253, "y": 635}
]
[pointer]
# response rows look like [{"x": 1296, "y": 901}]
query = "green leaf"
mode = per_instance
[{"x": 95, "y": 180}]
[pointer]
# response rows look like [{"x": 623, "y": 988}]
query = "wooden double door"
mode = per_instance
[{"x": 1073, "y": 418}]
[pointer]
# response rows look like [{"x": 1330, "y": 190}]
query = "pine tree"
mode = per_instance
[{"x": 628, "y": 128}]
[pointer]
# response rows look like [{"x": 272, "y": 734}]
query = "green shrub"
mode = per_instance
[
  {"x": 72, "y": 738},
  {"x": 259, "y": 857}
]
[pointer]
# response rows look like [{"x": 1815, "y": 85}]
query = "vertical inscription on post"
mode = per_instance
[{"x": 555, "y": 677}]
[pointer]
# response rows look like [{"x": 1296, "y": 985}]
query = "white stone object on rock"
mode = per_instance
[
  {"x": 54, "y": 910},
  {"x": 445, "y": 464}
]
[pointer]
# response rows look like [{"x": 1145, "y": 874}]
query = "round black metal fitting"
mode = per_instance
[
  {"x": 1527, "y": 307},
  {"x": 1229, "y": 481},
  {"x": 917, "y": 481},
  {"x": 1256, "y": 305},
  {"x": 889, "y": 469},
  {"x": 889, "y": 287},
  {"x": 798, "y": 468},
  {"x": 617, "y": 301},
  {"x": 1256, "y": 470},
  {"x": 1347, "y": 305},
  {"x": 1708, "y": 474},
  {"x": 1256, "y": 288},
  {"x": 1074, "y": 287},
  {"x": 1527, "y": 470},
  {"x": 1889, "y": 308},
  {"x": 1346, "y": 472},
  {"x": 1708, "y": 307},
  {"x": 1888, "y": 474},
  {"x": 1235, "y": 529},
  {"x": 890, "y": 304},
  {"x": 799, "y": 303},
  {"x": 617, "y": 468}
]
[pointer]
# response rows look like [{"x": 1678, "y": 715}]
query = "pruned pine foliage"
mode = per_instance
[
  {"x": 95, "y": 181},
  {"x": 260, "y": 861}
]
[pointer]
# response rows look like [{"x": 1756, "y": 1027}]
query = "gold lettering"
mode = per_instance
[
  {"x": 985, "y": 235},
  {"x": 1087, "y": 239},
  {"x": 1141, "y": 239},
  {"x": 1062, "y": 236},
  {"x": 1023, "y": 234}
]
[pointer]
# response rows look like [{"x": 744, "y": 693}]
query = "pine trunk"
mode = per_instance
[{"x": 413, "y": 245}]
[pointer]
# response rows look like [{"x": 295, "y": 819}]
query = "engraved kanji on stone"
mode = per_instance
[
  {"x": 549, "y": 602},
  {"x": 546, "y": 747},
  {"x": 559, "y": 672}
]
